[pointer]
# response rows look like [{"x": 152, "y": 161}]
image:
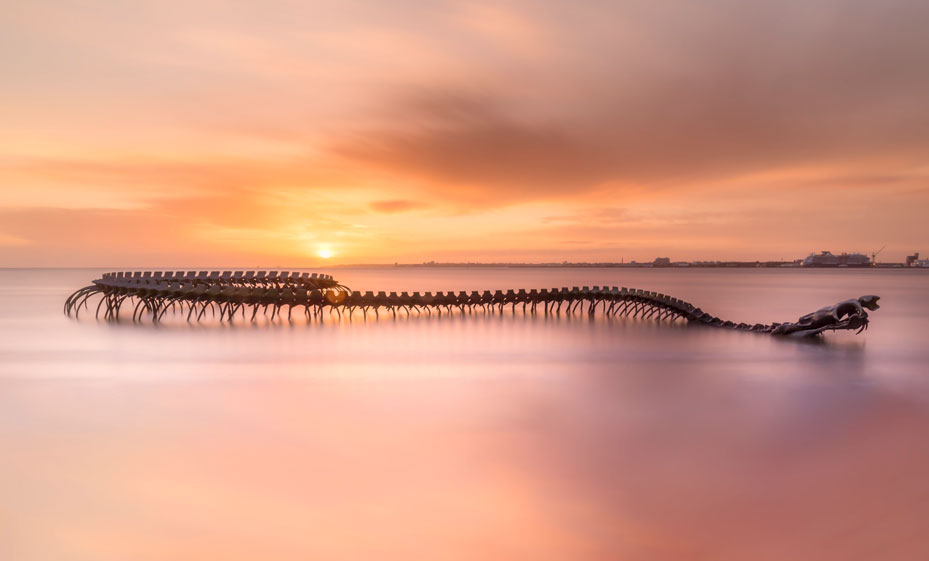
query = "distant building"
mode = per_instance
[
  {"x": 911, "y": 260},
  {"x": 661, "y": 262}
]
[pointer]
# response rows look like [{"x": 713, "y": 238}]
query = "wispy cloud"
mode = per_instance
[{"x": 397, "y": 205}]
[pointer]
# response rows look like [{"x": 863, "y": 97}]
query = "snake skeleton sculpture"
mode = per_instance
[{"x": 153, "y": 294}]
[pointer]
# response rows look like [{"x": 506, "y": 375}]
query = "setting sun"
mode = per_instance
[{"x": 324, "y": 253}]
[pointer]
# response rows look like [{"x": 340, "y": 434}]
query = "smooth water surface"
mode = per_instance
[{"x": 470, "y": 437}]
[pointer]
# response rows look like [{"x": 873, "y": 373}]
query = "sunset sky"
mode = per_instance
[{"x": 199, "y": 133}]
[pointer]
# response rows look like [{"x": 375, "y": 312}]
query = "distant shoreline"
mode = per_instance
[
  {"x": 677, "y": 266},
  {"x": 633, "y": 265}
]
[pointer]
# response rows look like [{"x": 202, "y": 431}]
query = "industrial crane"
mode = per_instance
[{"x": 874, "y": 255}]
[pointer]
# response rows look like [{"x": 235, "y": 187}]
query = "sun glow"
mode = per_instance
[{"x": 324, "y": 252}]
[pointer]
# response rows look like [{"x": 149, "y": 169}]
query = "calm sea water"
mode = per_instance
[{"x": 476, "y": 437}]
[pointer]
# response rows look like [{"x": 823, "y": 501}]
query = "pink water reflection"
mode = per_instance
[{"x": 463, "y": 438}]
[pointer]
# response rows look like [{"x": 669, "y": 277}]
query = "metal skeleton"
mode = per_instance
[{"x": 151, "y": 295}]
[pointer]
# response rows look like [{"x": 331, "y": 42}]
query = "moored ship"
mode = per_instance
[{"x": 829, "y": 259}]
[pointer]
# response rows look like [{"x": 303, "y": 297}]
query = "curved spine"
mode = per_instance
[{"x": 226, "y": 294}]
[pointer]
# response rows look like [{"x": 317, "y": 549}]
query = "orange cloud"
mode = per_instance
[{"x": 397, "y": 205}]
